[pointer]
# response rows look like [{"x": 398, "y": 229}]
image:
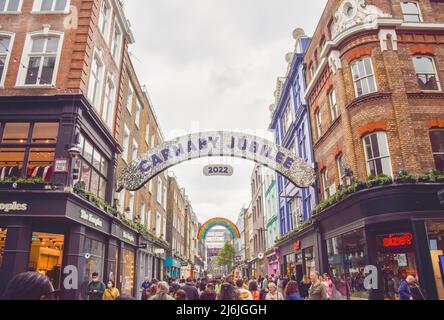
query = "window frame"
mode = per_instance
[
  {"x": 26, "y": 54},
  {"x": 325, "y": 186},
  {"x": 138, "y": 114},
  {"x": 433, "y": 152},
  {"x": 118, "y": 53},
  {"x": 388, "y": 156},
  {"x": 18, "y": 11},
  {"x": 437, "y": 79},
  {"x": 363, "y": 78},
  {"x": 318, "y": 118},
  {"x": 126, "y": 146},
  {"x": 341, "y": 175},
  {"x": 334, "y": 110},
  {"x": 11, "y": 37},
  {"x": 36, "y": 8},
  {"x": 111, "y": 98},
  {"x": 419, "y": 14},
  {"x": 105, "y": 33}
]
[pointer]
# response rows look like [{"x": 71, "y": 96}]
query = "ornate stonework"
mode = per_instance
[{"x": 352, "y": 13}]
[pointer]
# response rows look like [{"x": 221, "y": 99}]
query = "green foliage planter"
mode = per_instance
[
  {"x": 292, "y": 233},
  {"x": 379, "y": 181},
  {"x": 23, "y": 184}
]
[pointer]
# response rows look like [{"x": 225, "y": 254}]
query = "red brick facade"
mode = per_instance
[{"x": 398, "y": 107}]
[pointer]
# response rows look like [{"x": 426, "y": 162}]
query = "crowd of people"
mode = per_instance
[{"x": 34, "y": 286}]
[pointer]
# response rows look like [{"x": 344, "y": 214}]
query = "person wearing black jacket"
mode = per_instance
[
  {"x": 191, "y": 290},
  {"x": 304, "y": 286},
  {"x": 208, "y": 294}
]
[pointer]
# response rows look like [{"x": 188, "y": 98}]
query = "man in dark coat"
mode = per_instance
[
  {"x": 191, "y": 290},
  {"x": 96, "y": 288}
]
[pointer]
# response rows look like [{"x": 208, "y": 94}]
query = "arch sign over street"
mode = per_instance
[{"x": 215, "y": 144}]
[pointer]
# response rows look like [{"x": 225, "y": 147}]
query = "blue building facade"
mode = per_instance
[{"x": 291, "y": 124}]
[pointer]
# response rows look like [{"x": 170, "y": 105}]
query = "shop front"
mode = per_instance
[
  {"x": 172, "y": 268},
  {"x": 273, "y": 263},
  {"x": 435, "y": 232}
]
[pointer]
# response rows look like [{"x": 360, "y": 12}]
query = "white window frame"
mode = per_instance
[
  {"x": 383, "y": 135},
  {"x": 148, "y": 217},
  {"x": 21, "y": 78},
  {"x": 158, "y": 224},
  {"x": 130, "y": 98},
  {"x": 116, "y": 49},
  {"x": 108, "y": 118},
  {"x": 338, "y": 164},
  {"x": 126, "y": 143},
  {"x": 147, "y": 133},
  {"x": 325, "y": 186},
  {"x": 409, "y": 14},
  {"x": 38, "y": 4},
  {"x": 7, "y": 56},
  {"x": 431, "y": 58},
  {"x": 97, "y": 98},
  {"x": 333, "y": 102},
  {"x": 318, "y": 117},
  {"x": 19, "y": 8},
  {"x": 142, "y": 213},
  {"x": 131, "y": 205},
  {"x": 153, "y": 140},
  {"x": 362, "y": 78},
  {"x": 137, "y": 116},
  {"x": 105, "y": 33}
]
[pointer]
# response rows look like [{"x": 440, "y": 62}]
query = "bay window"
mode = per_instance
[
  {"x": 93, "y": 167},
  {"x": 40, "y": 59},
  {"x": 377, "y": 154},
  {"x": 411, "y": 11},
  {"x": 7, "y": 6},
  {"x": 27, "y": 150},
  {"x": 363, "y": 76},
  {"x": 437, "y": 140},
  {"x": 426, "y": 73}
]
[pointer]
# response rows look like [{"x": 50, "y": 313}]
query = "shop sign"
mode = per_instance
[
  {"x": 61, "y": 165},
  {"x": 297, "y": 245},
  {"x": 13, "y": 206},
  {"x": 398, "y": 241},
  {"x": 159, "y": 251},
  {"x": 97, "y": 222},
  {"x": 128, "y": 236}
]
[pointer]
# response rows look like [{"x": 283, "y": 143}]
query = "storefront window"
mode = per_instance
[
  {"x": 93, "y": 169},
  {"x": 3, "y": 233},
  {"x": 290, "y": 264},
  {"x": 31, "y": 142},
  {"x": 127, "y": 263},
  {"x": 396, "y": 260},
  {"x": 46, "y": 256},
  {"x": 310, "y": 261},
  {"x": 435, "y": 231},
  {"x": 347, "y": 259}
]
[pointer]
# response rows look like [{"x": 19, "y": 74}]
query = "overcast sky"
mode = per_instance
[{"x": 212, "y": 65}]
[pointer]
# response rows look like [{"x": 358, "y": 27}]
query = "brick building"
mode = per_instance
[{"x": 374, "y": 74}]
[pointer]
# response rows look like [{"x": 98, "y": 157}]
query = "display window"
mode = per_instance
[
  {"x": 46, "y": 256},
  {"x": 290, "y": 264},
  {"x": 310, "y": 260},
  {"x": 128, "y": 260},
  {"x": 396, "y": 260},
  {"x": 347, "y": 258},
  {"x": 435, "y": 230},
  {"x": 3, "y": 233},
  {"x": 27, "y": 150}
]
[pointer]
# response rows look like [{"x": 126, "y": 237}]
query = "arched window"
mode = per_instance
[
  {"x": 40, "y": 59},
  {"x": 377, "y": 155},
  {"x": 6, "y": 42},
  {"x": 363, "y": 76}
]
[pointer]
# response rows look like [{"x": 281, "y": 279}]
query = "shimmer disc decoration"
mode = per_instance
[{"x": 216, "y": 144}]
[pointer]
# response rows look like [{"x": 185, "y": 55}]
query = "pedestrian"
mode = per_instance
[
  {"x": 181, "y": 295},
  {"x": 292, "y": 291},
  {"x": 242, "y": 293},
  {"x": 227, "y": 291},
  {"x": 191, "y": 290},
  {"x": 263, "y": 293},
  {"x": 175, "y": 285},
  {"x": 253, "y": 288},
  {"x": 162, "y": 292},
  {"x": 264, "y": 284},
  {"x": 95, "y": 288},
  {"x": 280, "y": 284},
  {"x": 404, "y": 291},
  {"x": 111, "y": 292},
  {"x": 330, "y": 286},
  {"x": 208, "y": 294},
  {"x": 217, "y": 286},
  {"x": 273, "y": 293},
  {"x": 29, "y": 286},
  {"x": 151, "y": 291},
  {"x": 304, "y": 286},
  {"x": 143, "y": 288},
  {"x": 317, "y": 291}
]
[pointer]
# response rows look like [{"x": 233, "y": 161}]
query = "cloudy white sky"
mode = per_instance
[{"x": 213, "y": 64}]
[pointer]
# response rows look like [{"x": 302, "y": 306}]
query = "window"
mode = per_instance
[
  {"x": 9, "y": 5},
  {"x": 325, "y": 186},
  {"x": 319, "y": 123},
  {"x": 411, "y": 12},
  {"x": 129, "y": 212},
  {"x": 426, "y": 73},
  {"x": 158, "y": 224},
  {"x": 129, "y": 103},
  {"x": 287, "y": 118},
  {"x": 153, "y": 140},
  {"x": 104, "y": 18},
  {"x": 437, "y": 139},
  {"x": 50, "y": 5},
  {"x": 302, "y": 143},
  {"x": 41, "y": 55},
  {"x": 95, "y": 79},
  {"x": 126, "y": 140},
  {"x": 108, "y": 105},
  {"x": 148, "y": 218},
  {"x": 312, "y": 71},
  {"x": 363, "y": 76},
  {"x": 93, "y": 166},
  {"x": 116, "y": 43},
  {"x": 147, "y": 133},
  {"x": 340, "y": 161},
  {"x": 377, "y": 154},
  {"x": 135, "y": 150},
  {"x": 5, "y": 53},
  {"x": 28, "y": 150},
  {"x": 142, "y": 213},
  {"x": 159, "y": 190},
  {"x": 333, "y": 105},
  {"x": 138, "y": 110}
]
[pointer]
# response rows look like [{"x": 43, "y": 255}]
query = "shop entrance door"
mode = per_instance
[{"x": 46, "y": 256}]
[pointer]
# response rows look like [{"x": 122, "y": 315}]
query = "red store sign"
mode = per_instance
[
  {"x": 297, "y": 246},
  {"x": 399, "y": 241}
]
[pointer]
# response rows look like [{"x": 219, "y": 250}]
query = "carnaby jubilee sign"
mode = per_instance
[{"x": 211, "y": 144}]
